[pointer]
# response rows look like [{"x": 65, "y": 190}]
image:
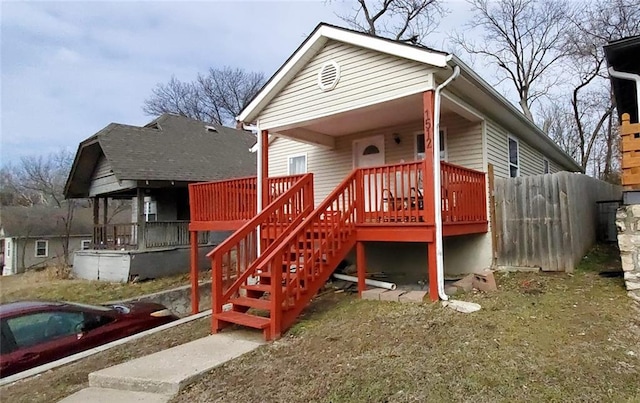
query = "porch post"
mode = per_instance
[
  {"x": 140, "y": 219},
  {"x": 96, "y": 221},
  {"x": 264, "y": 161},
  {"x": 361, "y": 267},
  {"x": 105, "y": 210},
  {"x": 428, "y": 104},
  {"x": 195, "y": 295}
]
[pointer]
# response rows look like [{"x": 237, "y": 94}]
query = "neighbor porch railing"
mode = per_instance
[
  {"x": 115, "y": 236},
  {"x": 160, "y": 234},
  {"x": 157, "y": 234}
]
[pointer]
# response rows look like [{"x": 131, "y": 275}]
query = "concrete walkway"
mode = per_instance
[{"x": 157, "y": 377}]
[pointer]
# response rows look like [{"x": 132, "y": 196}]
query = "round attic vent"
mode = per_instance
[{"x": 328, "y": 76}]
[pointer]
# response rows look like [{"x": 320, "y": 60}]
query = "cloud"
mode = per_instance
[{"x": 71, "y": 68}]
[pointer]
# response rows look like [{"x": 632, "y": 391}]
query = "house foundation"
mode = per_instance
[{"x": 628, "y": 223}]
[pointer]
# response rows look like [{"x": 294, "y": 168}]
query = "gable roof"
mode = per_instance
[
  {"x": 484, "y": 95},
  {"x": 169, "y": 148},
  {"x": 43, "y": 221},
  {"x": 622, "y": 55}
]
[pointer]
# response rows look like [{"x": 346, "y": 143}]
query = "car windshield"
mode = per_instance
[{"x": 88, "y": 306}]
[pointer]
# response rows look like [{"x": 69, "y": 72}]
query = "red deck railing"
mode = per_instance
[
  {"x": 395, "y": 193},
  {"x": 463, "y": 195},
  {"x": 233, "y": 199},
  {"x": 390, "y": 194}
]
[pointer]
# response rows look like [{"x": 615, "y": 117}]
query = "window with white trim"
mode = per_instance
[
  {"x": 85, "y": 244},
  {"x": 514, "y": 158},
  {"x": 545, "y": 165},
  {"x": 42, "y": 248},
  {"x": 297, "y": 164},
  {"x": 150, "y": 209},
  {"x": 443, "y": 145}
]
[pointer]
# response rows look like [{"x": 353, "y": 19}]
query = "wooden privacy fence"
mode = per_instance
[{"x": 547, "y": 221}]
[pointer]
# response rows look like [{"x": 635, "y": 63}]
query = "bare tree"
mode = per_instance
[
  {"x": 40, "y": 180},
  {"x": 406, "y": 20},
  {"x": 592, "y": 103},
  {"x": 523, "y": 38},
  {"x": 218, "y": 96}
]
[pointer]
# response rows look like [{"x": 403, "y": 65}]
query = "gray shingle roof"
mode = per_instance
[
  {"x": 179, "y": 149},
  {"x": 170, "y": 148}
]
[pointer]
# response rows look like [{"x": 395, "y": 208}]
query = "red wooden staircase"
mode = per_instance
[{"x": 301, "y": 247}]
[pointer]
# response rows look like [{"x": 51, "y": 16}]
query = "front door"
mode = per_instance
[
  {"x": 369, "y": 152},
  {"x": 6, "y": 262}
]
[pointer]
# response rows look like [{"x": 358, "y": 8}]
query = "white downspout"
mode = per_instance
[
  {"x": 437, "y": 193},
  {"x": 259, "y": 180},
  {"x": 628, "y": 76}
]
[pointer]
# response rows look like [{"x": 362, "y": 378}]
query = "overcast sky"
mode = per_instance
[{"x": 71, "y": 68}]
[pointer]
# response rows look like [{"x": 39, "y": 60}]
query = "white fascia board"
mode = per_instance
[
  {"x": 282, "y": 77},
  {"x": 385, "y": 46},
  {"x": 513, "y": 111},
  {"x": 314, "y": 43}
]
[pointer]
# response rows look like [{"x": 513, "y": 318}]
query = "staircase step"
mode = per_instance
[
  {"x": 244, "y": 319},
  {"x": 263, "y": 304},
  {"x": 258, "y": 287}
]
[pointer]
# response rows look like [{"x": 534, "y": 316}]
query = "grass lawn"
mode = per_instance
[
  {"x": 44, "y": 285},
  {"x": 541, "y": 337}
]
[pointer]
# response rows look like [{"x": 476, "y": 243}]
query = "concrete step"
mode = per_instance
[
  {"x": 169, "y": 371},
  {"x": 103, "y": 395}
]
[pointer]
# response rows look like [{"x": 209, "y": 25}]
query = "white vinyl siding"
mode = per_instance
[
  {"x": 530, "y": 159},
  {"x": 464, "y": 141},
  {"x": 330, "y": 167},
  {"x": 366, "y": 77}
]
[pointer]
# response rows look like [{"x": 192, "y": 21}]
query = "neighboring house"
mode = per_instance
[
  {"x": 364, "y": 115},
  {"x": 624, "y": 71},
  {"x": 151, "y": 166},
  {"x": 34, "y": 237}
]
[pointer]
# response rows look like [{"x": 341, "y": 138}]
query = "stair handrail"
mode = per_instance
[
  {"x": 274, "y": 257},
  {"x": 304, "y": 186}
]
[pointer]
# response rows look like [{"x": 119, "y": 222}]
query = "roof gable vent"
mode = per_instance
[{"x": 328, "y": 76}]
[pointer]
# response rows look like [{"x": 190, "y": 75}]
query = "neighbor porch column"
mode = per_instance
[
  {"x": 96, "y": 221},
  {"x": 195, "y": 295},
  {"x": 141, "y": 222},
  {"x": 361, "y": 266},
  {"x": 105, "y": 210},
  {"x": 428, "y": 104}
]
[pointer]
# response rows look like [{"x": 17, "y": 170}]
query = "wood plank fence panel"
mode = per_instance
[{"x": 547, "y": 221}]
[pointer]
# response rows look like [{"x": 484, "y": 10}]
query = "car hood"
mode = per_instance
[{"x": 137, "y": 308}]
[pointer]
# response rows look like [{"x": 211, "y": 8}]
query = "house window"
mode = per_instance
[
  {"x": 42, "y": 248},
  {"x": 545, "y": 165},
  {"x": 514, "y": 158},
  {"x": 85, "y": 244},
  {"x": 420, "y": 145},
  {"x": 297, "y": 164}
]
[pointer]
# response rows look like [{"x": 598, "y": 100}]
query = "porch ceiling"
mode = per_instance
[{"x": 396, "y": 112}]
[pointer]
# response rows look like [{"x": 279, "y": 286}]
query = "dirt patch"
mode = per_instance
[
  {"x": 43, "y": 285},
  {"x": 573, "y": 339},
  {"x": 58, "y": 383}
]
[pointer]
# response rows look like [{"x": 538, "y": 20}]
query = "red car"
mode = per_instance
[{"x": 37, "y": 332}]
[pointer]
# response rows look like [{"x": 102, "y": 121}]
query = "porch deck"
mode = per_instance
[{"x": 389, "y": 202}]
